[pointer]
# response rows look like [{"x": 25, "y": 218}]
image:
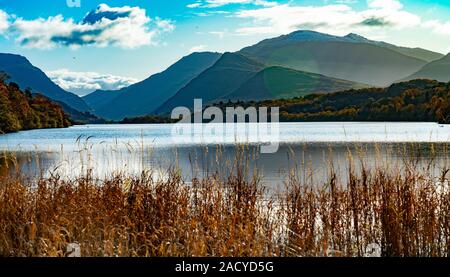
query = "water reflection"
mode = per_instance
[
  {"x": 308, "y": 151},
  {"x": 310, "y": 163}
]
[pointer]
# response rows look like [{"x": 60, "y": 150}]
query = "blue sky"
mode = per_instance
[{"x": 121, "y": 42}]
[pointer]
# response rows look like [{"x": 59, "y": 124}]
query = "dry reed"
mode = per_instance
[{"x": 375, "y": 211}]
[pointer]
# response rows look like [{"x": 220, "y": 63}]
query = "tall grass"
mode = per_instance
[{"x": 373, "y": 211}]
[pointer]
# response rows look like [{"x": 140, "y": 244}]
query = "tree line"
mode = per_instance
[{"x": 417, "y": 100}]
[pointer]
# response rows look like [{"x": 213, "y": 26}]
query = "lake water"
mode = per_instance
[{"x": 306, "y": 149}]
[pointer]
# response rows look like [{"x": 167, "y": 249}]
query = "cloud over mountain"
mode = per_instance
[
  {"x": 82, "y": 83},
  {"x": 125, "y": 27},
  {"x": 340, "y": 18}
]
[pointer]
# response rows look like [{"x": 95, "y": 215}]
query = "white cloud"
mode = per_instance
[
  {"x": 4, "y": 24},
  {"x": 221, "y": 3},
  {"x": 125, "y": 27},
  {"x": 194, "y": 5},
  {"x": 83, "y": 83},
  {"x": 336, "y": 18},
  {"x": 198, "y": 48},
  {"x": 438, "y": 26}
]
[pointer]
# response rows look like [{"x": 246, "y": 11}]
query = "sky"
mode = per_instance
[{"x": 84, "y": 45}]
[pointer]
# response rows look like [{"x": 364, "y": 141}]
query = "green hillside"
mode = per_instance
[
  {"x": 218, "y": 81},
  {"x": 278, "y": 82}
]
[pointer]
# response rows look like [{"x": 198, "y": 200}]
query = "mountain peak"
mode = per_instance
[
  {"x": 356, "y": 37},
  {"x": 13, "y": 58},
  {"x": 306, "y": 32},
  {"x": 307, "y": 35}
]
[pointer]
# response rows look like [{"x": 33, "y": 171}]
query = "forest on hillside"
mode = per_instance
[
  {"x": 417, "y": 100},
  {"x": 22, "y": 110}
]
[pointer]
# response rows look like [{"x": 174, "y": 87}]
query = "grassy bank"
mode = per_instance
[{"x": 375, "y": 211}]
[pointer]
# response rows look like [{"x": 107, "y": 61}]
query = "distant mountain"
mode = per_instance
[
  {"x": 438, "y": 70},
  {"x": 278, "y": 82},
  {"x": 351, "y": 57},
  {"x": 292, "y": 65},
  {"x": 144, "y": 97},
  {"x": 100, "y": 98},
  {"x": 221, "y": 79},
  {"x": 22, "y": 72}
]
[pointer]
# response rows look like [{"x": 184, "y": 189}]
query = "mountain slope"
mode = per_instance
[
  {"x": 438, "y": 70},
  {"x": 224, "y": 77},
  {"x": 24, "y": 111},
  {"x": 22, "y": 72},
  {"x": 144, "y": 97},
  {"x": 99, "y": 98},
  {"x": 339, "y": 57},
  {"x": 417, "y": 53},
  {"x": 278, "y": 82}
]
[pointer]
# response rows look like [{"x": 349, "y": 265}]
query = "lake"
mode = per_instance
[{"x": 306, "y": 149}]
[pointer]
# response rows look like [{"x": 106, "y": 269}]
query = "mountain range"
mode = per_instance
[
  {"x": 237, "y": 77},
  {"x": 279, "y": 82},
  {"x": 351, "y": 57},
  {"x": 144, "y": 97},
  {"x": 288, "y": 66},
  {"x": 216, "y": 82}
]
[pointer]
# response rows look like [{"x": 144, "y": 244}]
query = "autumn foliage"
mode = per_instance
[{"x": 24, "y": 111}]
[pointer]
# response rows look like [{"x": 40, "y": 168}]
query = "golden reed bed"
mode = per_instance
[{"x": 375, "y": 212}]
